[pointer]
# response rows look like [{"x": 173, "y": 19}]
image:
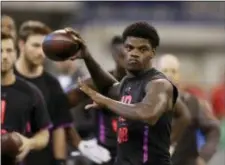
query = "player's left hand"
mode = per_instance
[
  {"x": 24, "y": 149},
  {"x": 95, "y": 96}
]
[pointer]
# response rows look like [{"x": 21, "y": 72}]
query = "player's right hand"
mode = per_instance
[
  {"x": 24, "y": 149},
  {"x": 94, "y": 152},
  {"x": 78, "y": 39}
]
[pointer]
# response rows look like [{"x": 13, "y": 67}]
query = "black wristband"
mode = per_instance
[{"x": 60, "y": 162}]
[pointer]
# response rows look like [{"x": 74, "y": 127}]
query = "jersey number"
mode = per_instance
[
  {"x": 123, "y": 131},
  {"x": 114, "y": 125},
  {"x": 3, "y": 108}
]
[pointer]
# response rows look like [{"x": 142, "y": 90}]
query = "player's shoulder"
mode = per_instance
[
  {"x": 160, "y": 83},
  {"x": 26, "y": 86},
  {"x": 154, "y": 75}
]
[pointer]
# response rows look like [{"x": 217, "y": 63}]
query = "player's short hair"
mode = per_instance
[
  {"x": 5, "y": 35},
  {"x": 8, "y": 18},
  {"x": 116, "y": 40},
  {"x": 32, "y": 28},
  {"x": 142, "y": 30}
]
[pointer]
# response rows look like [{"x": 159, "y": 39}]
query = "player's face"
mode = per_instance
[
  {"x": 8, "y": 52},
  {"x": 138, "y": 53},
  {"x": 8, "y": 26},
  {"x": 118, "y": 55},
  {"x": 33, "y": 50}
]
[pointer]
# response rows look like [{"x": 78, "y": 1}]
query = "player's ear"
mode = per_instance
[
  {"x": 153, "y": 52},
  {"x": 21, "y": 45}
]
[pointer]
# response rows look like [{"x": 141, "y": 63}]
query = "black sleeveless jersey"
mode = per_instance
[
  {"x": 138, "y": 142},
  {"x": 106, "y": 131}
]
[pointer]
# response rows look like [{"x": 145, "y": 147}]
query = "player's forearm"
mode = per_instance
[
  {"x": 102, "y": 79},
  {"x": 129, "y": 111},
  {"x": 212, "y": 140},
  {"x": 73, "y": 136},
  {"x": 140, "y": 111},
  {"x": 59, "y": 143},
  {"x": 40, "y": 140}
]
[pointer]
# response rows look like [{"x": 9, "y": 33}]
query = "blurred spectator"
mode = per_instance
[
  {"x": 200, "y": 94},
  {"x": 218, "y": 99},
  {"x": 67, "y": 72},
  {"x": 196, "y": 91},
  {"x": 84, "y": 120},
  {"x": 8, "y": 25}
]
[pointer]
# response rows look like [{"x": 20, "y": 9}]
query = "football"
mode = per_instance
[
  {"x": 10, "y": 144},
  {"x": 60, "y": 46}
]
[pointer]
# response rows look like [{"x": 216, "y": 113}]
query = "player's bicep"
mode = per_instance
[
  {"x": 40, "y": 117},
  {"x": 158, "y": 93},
  {"x": 157, "y": 100}
]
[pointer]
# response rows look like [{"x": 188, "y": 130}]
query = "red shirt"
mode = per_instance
[
  {"x": 196, "y": 91},
  {"x": 218, "y": 100}
]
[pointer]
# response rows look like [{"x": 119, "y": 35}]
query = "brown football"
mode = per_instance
[
  {"x": 60, "y": 46},
  {"x": 10, "y": 144}
]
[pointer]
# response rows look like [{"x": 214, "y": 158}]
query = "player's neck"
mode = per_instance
[
  {"x": 8, "y": 78},
  {"x": 139, "y": 72},
  {"x": 27, "y": 70}
]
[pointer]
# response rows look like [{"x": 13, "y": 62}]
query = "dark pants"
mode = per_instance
[
  {"x": 42, "y": 157},
  {"x": 7, "y": 160}
]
